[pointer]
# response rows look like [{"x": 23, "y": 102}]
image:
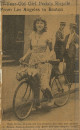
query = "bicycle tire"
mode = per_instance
[
  {"x": 60, "y": 93},
  {"x": 25, "y": 104}
]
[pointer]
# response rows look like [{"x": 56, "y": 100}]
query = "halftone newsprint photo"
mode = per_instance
[{"x": 39, "y": 65}]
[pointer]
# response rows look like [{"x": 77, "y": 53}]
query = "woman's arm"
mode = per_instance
[
  {"x": 24, "y": 57},
  {"x": 28, "y": 52}
]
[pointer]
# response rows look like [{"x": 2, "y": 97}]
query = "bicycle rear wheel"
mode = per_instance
[
  {"x": 23, "y": 100},
  {"x": 60, "y": 90}
]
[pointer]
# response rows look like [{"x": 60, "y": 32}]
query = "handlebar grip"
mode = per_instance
[{"x": 43, "y": 62}]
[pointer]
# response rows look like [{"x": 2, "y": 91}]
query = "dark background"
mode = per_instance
[{"x": 13, "y": 37}]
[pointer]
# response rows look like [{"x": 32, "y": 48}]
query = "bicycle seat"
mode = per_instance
[{"x": 54, "y": 61}]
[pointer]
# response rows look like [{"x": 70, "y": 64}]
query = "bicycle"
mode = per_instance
[{"x": 23, "y": 100}]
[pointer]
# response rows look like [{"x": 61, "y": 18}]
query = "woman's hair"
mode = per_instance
[{"x": 45, "y": 25}]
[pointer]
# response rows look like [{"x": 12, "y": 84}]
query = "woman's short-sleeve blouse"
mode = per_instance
[
  {"x": 39, "y": 46},
  {"x": 39, "y": 41}
]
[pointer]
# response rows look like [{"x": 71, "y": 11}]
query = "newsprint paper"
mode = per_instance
[{"x": 39, "y": 65}]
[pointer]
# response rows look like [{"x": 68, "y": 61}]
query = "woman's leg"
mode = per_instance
[
  {"x": 45, "y": 72},
  {"x": 36, "y": 89}
]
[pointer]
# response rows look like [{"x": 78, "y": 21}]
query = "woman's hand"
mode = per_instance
[
  {"x": 21, "y": 59},
  {"x": 25, "y": 56},
  {"x": 52, "y": 55}
]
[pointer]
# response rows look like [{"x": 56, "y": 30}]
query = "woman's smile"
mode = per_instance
[{"x": 39, "y": 26}]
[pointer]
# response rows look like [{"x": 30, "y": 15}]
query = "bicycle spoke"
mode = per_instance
[
  {"x": 61, "y": 89},
  {"x": 23, "y": 100}
]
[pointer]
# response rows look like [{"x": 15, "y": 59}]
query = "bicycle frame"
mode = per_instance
[{"x": 57, "y": 97}]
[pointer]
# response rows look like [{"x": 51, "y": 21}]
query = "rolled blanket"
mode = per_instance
[
  {"x": 21, "y": 75},
  {"x": 25, "y": 73}
]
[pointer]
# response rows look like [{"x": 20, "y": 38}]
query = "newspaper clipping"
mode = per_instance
[{"x": 39, "y": 65}]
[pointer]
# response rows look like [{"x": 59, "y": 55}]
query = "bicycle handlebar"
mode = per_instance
[{"x": 43, "y": 62}]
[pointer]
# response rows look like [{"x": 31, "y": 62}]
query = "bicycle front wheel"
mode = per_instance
[
  {"x": 23, "y": 100},
  {"x": 60, "y": 90}
]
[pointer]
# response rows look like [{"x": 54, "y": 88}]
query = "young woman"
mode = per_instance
[{"x": 40, "y": 50}]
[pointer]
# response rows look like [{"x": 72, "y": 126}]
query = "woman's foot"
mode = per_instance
[
  {"x": 47, "y": 93},
  {"x": 50, "y": 103}
]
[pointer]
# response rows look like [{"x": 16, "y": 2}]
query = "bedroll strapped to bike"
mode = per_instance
[{"x": 26, "y": 73}]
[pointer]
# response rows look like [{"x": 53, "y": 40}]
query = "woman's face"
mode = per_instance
[{"x": 39, "y": 26}]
